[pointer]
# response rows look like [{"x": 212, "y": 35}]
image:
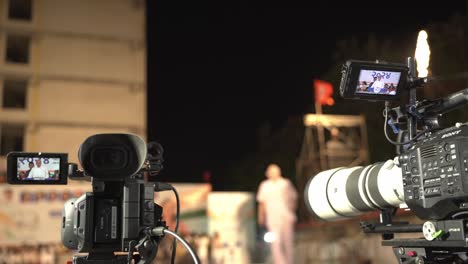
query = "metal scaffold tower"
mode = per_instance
[{"x": 330, "y": 141}]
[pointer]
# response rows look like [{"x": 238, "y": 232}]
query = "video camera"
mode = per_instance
[
  {"x": 429, "y": 175},
  {"x": 119, "y": 215}
]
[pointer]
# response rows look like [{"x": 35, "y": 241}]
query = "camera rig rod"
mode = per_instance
[
  {"x": 393, "y": 228},
  {"x": 386, "y": 216},
  {"x": 412, "y": 121}
]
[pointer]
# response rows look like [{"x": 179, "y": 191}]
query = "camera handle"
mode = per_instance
[{"x": 76, "y": 174}]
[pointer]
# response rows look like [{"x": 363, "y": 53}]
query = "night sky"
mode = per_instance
[{"x": 218, "y": 70}]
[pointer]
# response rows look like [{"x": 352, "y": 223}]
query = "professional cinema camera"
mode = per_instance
[
  {"x": 429, "y": 175},
  {"x": 119, "y": 217}
]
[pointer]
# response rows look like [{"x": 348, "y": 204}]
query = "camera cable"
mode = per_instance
[
  {"x": 160, "y": 231},
  {"x": 385, "y": 113},
  {"x": 131, "y": 246},
  {"x": 163, "y": 186}
]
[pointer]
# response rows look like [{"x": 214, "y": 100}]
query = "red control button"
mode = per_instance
[{"x": 411, "y": 254}]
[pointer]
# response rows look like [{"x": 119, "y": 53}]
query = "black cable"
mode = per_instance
[
  {"x": 131, "y": 250},
  {"x": 164, "y": 186},
  {"x": 394, "y": 142},
  {"x": 186, "y": 245},
  {"x": 174, "y": 244}
]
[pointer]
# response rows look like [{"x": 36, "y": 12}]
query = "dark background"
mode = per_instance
[{"x": 221, "y": 73}]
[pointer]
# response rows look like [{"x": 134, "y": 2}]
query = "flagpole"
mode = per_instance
[{"x": 321, "y": 136}]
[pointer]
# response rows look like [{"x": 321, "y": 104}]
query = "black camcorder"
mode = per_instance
[
  {"x": 429, "y": 175},
  {"x": 119, "y": 214},
  {"x": 121, "y": 205}
]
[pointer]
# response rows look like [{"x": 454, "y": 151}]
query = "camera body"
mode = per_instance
[
  {"x": 435, "y": 174},
  {"x": 429, "y": 176},
  {"x": 107, "y": 220},
  {"x": 434, "y": 167},
  {"x": 120, "y": 208},
  {"x": 121, "y": 205}
]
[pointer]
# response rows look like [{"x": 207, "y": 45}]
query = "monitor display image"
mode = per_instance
[
  {"x": 374, "y": 82},
  {"x": 38, "y": 168}
]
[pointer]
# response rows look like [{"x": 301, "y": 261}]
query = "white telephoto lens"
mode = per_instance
[{"x": 346, "y": 192}]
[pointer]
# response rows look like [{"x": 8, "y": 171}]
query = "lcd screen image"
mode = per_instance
[
  {"x": 38, "y": 168},
  {"x": 378, "y": 82}
]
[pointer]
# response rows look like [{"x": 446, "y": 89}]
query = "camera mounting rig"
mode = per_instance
[{"x": 445, "y": 240}]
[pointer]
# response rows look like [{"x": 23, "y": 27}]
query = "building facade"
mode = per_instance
[{"x": 70, "y": 69}]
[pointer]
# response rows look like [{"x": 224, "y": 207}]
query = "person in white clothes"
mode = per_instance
[
  {"x": 39, "y": 172},
  {"x": 378, "y": 85},
  {"x": 277, "y": 199}
]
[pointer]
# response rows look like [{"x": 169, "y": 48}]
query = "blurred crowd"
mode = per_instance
[
  {"x": 33, "y": 254},
  {"x": 201, "y": 243},
  {"x": 210, "y": 250}
]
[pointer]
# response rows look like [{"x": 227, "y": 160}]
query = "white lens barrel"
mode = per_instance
[
  {"x": 346, "y": 192},
  {"x": 317, "y": 198},
  {"x": 390, "y": 184},
  {"x": 338, "y": 195}
]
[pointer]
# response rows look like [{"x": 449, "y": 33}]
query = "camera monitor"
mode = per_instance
[
  {"x": 373, "y": 81},
  {"x": 37, "y": 168}
]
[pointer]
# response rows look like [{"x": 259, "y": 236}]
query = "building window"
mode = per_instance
[
  {"x": 14, "y": 93},
  {"x": 20, "y": 9},
  {"x": 12, "y": 139},
  {"x": 17, "y": 48}
]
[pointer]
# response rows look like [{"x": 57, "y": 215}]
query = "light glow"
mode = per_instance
[
  {"x": 422, "y": 54},
  {"x": 269, "y": 237}
]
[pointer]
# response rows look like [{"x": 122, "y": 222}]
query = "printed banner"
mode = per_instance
[
  {"x": 232, "y": 226},
  {"x": 33, "y": 213},
  {"x": 193, "y": 203}
]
